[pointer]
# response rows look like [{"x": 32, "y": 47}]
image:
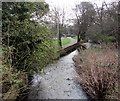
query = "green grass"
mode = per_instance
[
  {"x": 75, "y": 37},
  {"x": 64, "y": 41}
]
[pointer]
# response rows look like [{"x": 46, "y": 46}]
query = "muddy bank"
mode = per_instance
[{"x": 58, "y": 81}]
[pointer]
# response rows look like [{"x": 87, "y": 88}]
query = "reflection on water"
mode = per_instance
[{"x": 58, "y": 81}]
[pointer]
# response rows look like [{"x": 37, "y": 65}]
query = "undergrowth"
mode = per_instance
[{"x": 98, "y": 72}]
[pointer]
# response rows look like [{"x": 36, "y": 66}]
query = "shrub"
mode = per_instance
[
  {"x": 27, "y": 41},
  {"x": 26, "y": 44},
  {"x": 13, "y": 80},
  {"x": 98, "y": 73}
]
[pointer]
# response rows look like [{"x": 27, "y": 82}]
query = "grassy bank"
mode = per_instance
[
  {"x": 97, "y": 70},
  {"x": 75, "y": 37},
  {"x": 64, "y": 42}
]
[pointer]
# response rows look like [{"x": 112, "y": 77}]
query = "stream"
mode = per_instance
[{"x": 58, "y": 81}]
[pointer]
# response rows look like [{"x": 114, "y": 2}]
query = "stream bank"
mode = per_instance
[{"x": 58, "y": 81}]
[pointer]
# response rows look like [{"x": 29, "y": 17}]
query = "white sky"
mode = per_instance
[{"x": 68, "y": 5}]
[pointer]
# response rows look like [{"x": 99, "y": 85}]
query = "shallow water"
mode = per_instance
[{"x": 58, "y": 81}]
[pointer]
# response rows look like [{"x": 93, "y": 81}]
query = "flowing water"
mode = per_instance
[{"x": 58, "y": 81}]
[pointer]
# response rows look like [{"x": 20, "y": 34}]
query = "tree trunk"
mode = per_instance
[
  {"x": 59, "y": 37},
  {"x": 82, "y": 36},
  {"x": 78, "y": 37}
]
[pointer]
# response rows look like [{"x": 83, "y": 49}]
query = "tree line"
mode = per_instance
[
  {"x": 97, "y": 23},
  {"x": 91, "y": 22}
]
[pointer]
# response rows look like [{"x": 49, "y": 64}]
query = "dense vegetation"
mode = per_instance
[
  {"x": 98, "y": 67},
  {"x": 99, "y": 24},
  {"x": 98, "y": 72},
  {"x": 27, "y": 44}
]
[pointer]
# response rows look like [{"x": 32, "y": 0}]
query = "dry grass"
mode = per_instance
[{"x": 98, "y": 73}]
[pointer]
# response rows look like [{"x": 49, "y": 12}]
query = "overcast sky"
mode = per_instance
[
  {"x": 71, "y": 3},
  {"x": 68, "y": 5}
]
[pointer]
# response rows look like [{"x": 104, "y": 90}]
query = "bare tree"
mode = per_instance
[
  {"x": 84, "y": 16},
  {"x": 105, "y": 22},
  {"x": 58, "y": 18}
]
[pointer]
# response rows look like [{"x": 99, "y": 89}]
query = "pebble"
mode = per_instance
[{"x": 68, "y": 79}]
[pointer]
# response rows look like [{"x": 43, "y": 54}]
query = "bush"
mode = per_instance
[
  {"x": 109, "y": 39},
  {"x": 98, "y": 73},
  {"x": 26, "y": 45},
  {"x": 102, "y": 38},
  {"x": 28, "y": 42},
  {"x": 13, "y": 80}
]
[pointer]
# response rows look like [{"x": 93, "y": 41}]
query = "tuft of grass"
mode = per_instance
[{"x": 97, "y": 72}]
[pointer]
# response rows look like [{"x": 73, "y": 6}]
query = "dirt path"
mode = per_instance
[
  {"x": 58, "y": 82},
  {"x": 73, "y": 41}
]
